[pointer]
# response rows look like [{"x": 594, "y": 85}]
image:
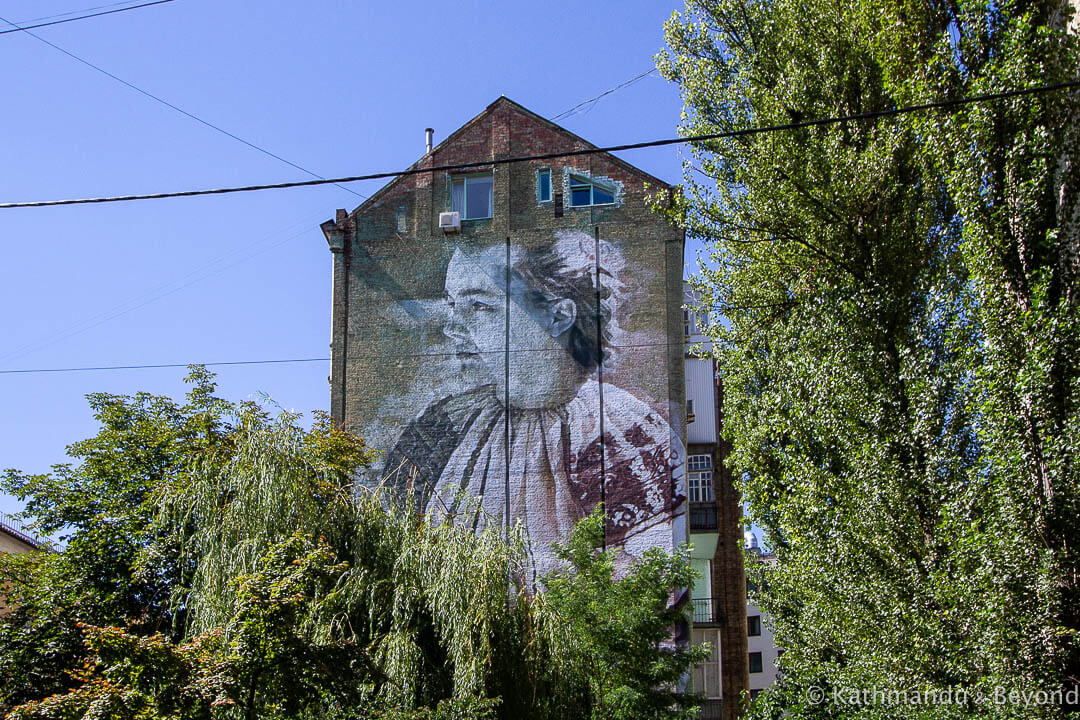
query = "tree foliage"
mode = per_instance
[
  {"x": 622, "y": 629},
  {"x": 900, "y": 347},
  {"x": 220, "y": 562}
]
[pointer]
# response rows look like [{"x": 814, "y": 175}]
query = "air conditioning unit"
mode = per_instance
[{"x": 450, "y": 221}]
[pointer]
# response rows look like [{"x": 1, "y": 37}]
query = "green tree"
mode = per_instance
[
  {"x": 118, "y": 567},
  {"x": 904, "y": 422},
  {"x": 621, "y": 629},
  {"x": 1013, "y": 170},
  {"x": 284, "y": 590}
]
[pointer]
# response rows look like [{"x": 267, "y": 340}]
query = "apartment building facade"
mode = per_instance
[
  {"x": 508, "y": 334},
  {"x": 748, "y": 657}
]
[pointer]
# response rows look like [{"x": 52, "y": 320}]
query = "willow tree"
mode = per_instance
[
  {"x": 222, "y": 563},
  {"x": 900, "y": 345}
]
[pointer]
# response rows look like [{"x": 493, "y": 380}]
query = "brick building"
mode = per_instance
[
  {"x": 510, "y": 335},
  {"x": 744, "y": 654}
]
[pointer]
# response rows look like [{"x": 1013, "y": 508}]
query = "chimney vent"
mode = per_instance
[{"x": 429, "y": 134}]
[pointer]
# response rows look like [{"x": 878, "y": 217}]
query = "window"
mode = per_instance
[
  {"x": 472, "y": 196},
  {"x": 755, "y": 662},
  {"x": 543, "y": 185},
  {"x": 753, "y": 625},
  {"x": 686, "y": 327},
  {"x": 701, "y": 487},
  {"x": 699, "y": 462},
  {"x": 689, "y": 411},
  {"x": 589, "y": 192},
  {"x": 699, "y": 478}
]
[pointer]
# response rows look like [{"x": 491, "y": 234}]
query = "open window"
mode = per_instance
[
  {"x": 583, "y": 189},
  {"x": 590, "y": 191}
]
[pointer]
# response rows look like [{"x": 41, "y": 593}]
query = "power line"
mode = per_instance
[
  {"x": 24, "y": 28},
  {"x": 164, "y": 365},
  {"x": 180, "y": 110},
  {"x": 208, "y": 269},
  {"x": 164, "y": 290},
  {"x": 940, "y": 104},
  {"x": 592, "y": 101},
  {"x": 72, "y": 12},
  {"x": 349, "y": 358}
]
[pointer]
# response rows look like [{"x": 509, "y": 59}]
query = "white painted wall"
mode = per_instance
[
  {"x": 701, "y": 389},
  {"x": 11, "y": 544},
  {"x": 765, "y": 645}
]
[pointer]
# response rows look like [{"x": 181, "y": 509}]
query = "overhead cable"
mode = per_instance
[
  {"x": 874, "y": 115},
  {"x": 27, "y": 21},
  {"x": 185, "y": 113},
  {"x": 446, "y": 355},
  {"x": 592, "y": 101},
  {"x": 24, "y": 28},
  {"x": 164, "y": 365}
]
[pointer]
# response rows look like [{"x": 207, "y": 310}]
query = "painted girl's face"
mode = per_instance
[{"x": 477, "y": 325}]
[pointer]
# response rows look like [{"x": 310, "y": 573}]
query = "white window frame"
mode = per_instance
[
  {"x": 578, "y": 182},
  {"x": 699, "y": 478},
  {"x": 539, "y": 186},
  {"x": 700, "y": 486},
  {"x": 465, "y": 181},
  {"x": 699, "y": 462}
]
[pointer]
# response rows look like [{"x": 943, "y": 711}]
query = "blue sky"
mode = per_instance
[{"x": 339, "y": 88}]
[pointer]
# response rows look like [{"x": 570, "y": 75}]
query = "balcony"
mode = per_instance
[
  {"x": 14, "y": 528},
  {"x": 704, "y": 611},
  {"x": 703, "y": 517}
]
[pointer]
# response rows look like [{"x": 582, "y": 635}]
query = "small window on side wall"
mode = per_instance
[
  {"x": 472, "y": 196},
  {"x": 755, "y": 662},
  {"x": 543, "y": 185},
  {"x": 753, "y": 625}
]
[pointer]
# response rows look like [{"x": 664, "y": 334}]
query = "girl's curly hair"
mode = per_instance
[{"x": 566, "y": 269}]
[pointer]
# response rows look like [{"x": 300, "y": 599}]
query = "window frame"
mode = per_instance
[
  {"x": 577, "y": 182},
  {"x": 760, "y": 663},
  {"x": 699, "y": 462},
  {"x": 699, "y": 479},
  {"x": 465, "y": 181},
  {"x": 540, "y": 175},
  {"x": 699, "y": 486},
  {"x": 753, "y": 626}
]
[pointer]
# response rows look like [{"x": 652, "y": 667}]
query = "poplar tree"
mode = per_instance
[{"x": 900, "y": 344}]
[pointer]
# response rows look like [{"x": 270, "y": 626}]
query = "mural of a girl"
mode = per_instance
[{"x": 554, "y": 469}]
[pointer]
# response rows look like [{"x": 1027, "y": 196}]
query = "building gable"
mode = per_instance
[{"x": 507, "y": 129}]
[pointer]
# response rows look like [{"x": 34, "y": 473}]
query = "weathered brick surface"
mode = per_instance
[{"x": 395, "y": 361}]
